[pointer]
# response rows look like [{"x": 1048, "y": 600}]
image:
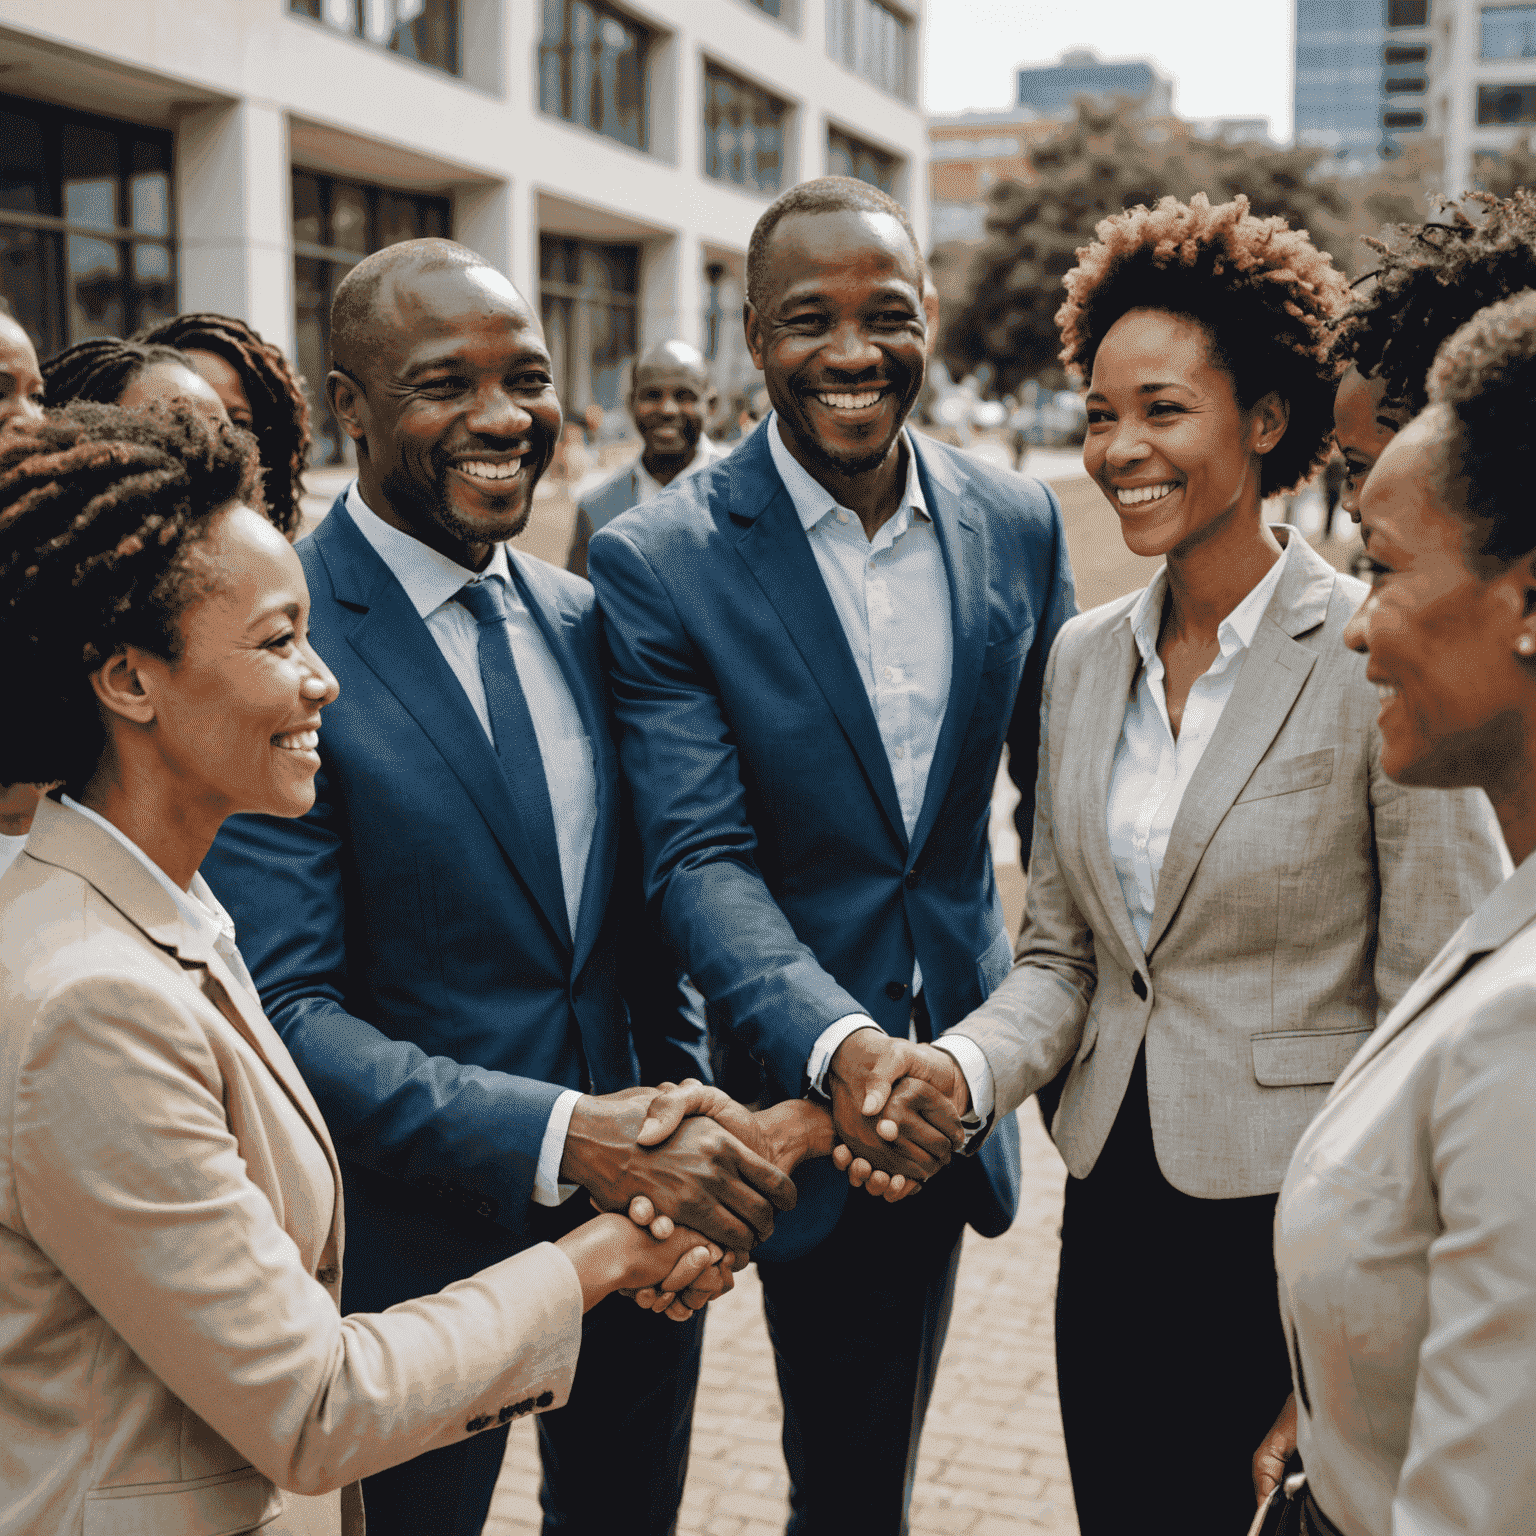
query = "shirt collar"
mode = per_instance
[
  {"x": 647, "y": 485},
  {"x": 1234, "y": 633},
  {"x": 430, "y": 579},
  {"x": 813, "y": 501},
  {"x": 196, "y": 906}
]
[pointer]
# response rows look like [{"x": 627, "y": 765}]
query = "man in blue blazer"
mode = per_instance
[
  {"x": 451, "y": 943},
  {"x": 819, "y": 647}
]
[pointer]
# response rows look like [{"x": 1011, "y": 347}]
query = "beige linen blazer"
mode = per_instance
[
  {"x": 1405, "y": 1238},
  {"x": 171, "y": 1349},
  {"x": 1301, "y": 894}
]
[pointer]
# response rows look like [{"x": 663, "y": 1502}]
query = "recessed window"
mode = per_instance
[
  {"x": 424, "y": 30},
  {"x": 1404, "y": 85},
  {"x": 87, "y": 243},
  {"x": 592, "y": 69},
  {"x": 335, "y": 224},
  {"x": 1509, "y": 32},
  {"x": 1407, "y": 13},
  {"x": 1405, "y": 55},
  {"x": 1402, "y": 119},
  {"x": 848, "y": 156},
  {"x": 773, "y": 7},
  {"x": 588, "y": 298},
  {"x": 743, "y": 131},
  {"x": 1506, "y": 104},
  {"x": 872, "y": 40}
]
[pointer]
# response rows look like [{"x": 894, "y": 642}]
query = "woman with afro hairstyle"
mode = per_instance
[
  {"x": 170, "y": 1201},
  {"x": 109, "y": 371},
  {"x": 1431, "y": 279},
  {"x": 1226, "y": 893},
  {"x": 261, "y": 393}
]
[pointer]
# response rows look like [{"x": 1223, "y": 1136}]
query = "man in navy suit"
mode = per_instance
[
  {"x": 819, "y": 647},
  {"x": 451, "y": 943}
]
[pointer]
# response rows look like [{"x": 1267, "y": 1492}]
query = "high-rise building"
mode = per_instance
[
  {"x": 1484, "y": 82},
  {"x": 1050, "y": 89},
  {"x": 612, "y": 158}
]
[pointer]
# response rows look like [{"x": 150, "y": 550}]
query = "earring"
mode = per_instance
[{"x": 1525, "y": 645}]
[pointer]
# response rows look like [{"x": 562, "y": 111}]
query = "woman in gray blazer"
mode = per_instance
[
  {"x": 1226, "y": 893},
  {"x": 171, "y": 1350},
  {"x": 1406, "y": 1231}
]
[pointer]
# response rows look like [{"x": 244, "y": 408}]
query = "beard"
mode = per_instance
[{"x": 432, "y": 501}]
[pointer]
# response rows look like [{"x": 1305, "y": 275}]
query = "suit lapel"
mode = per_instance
[{"x": 395, "y": 644}]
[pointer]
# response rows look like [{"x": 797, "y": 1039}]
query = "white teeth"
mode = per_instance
[
  {"x": 1385, "y": 693},
  {"x": 483, "y": 469},
  {"x": 1135, "y": 495},
  {"x": 299, "y": 741},
  {"x": 850, "y": 402}
]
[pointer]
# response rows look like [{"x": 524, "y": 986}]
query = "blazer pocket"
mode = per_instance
[
  {"x": 227, "y": 1502},
  {"x": 1297, "y": 1058},
  {"x": 1290, "y": 775}
]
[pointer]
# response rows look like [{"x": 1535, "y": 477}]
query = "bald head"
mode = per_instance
[
  {"x": 670, "y": 400},
  {"x": 674, "y": 357}
]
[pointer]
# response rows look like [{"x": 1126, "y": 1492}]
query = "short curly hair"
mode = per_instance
[
  {"x": 279, "y": 407},
  {"x": 1261, "y": 291},
  {"x": 100, "y": 512},
  {"x": 1431, "y": 279},
  {"x": 1485, "y": 378}
]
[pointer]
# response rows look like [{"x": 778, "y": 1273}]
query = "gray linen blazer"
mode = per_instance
[{"x": 1301, "y": 894}]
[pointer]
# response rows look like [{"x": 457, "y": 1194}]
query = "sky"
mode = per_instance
[{"x": 1221, "y": 66}]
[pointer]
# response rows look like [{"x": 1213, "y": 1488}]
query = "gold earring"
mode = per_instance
[{"x": 1525, "y": 645}]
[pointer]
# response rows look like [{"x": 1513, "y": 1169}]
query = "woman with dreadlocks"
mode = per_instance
[
  {"x": 1429, "y": 281},
  {"x": 261, "y": 393},
  {"x": 109, "y": 371},
  {"x": 1225, "y": 891},
  {"x": 170, "y": 1203}
]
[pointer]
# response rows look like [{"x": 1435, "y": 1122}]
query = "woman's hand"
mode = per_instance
[
  {"x": 610, "y": 1253},
  {"x": 1274, "y": 1451}
]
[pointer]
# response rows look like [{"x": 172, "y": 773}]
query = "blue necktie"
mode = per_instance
[{"x": 517, "y": 745}]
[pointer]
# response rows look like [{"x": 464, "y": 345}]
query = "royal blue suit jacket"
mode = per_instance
[
  {"x": 777, "y": 860},
  {"x": 410, "y": 941}
]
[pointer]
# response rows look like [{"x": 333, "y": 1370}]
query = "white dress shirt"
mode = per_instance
[
  {"x": 9, "y": 848},
  {"x": 431, "y": 582},
  {"x": 1152, "y": 769},
  {"x": 647, "y": 485}
]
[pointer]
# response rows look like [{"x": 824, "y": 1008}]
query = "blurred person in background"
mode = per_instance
[
  {"x": 170, "y": 1201},
  {"x": 21, "y": 381},
  {"x": 1406, "y": 1232},
  {"x": 1430, "y": 280},
  {"x": 1226, "y": 893},
  {"x": 260, "y": 392},
  {"x": 670, "y": 400},
  {"x": 132, "y": 374}
]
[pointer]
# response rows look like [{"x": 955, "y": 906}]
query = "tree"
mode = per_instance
[
  {"x": 1500, "y": 174},
  {"x": 1106, "y": 160}
]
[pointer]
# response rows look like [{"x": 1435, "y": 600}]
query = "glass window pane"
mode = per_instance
[
  {"x": 150, "y": 198},
  {"x": 23, "y": 166},
  {"x": 342, "y": 14},
  {"x": 305, "y": 8},
  {"x": 95, "y": 288},
  {"x": 29, "y": 261},
  {"x": 349, "y": 218},
  {"x": 1509, "y": 32},
  {"x": 435, "y": 217},
  {"x": 312, "y": 285},
  {"x": 308, "y": 209},
  {"x": 89, "y": 160},
  {"x": 154, "y": 287},
  {"x": 397, "y": 218}
]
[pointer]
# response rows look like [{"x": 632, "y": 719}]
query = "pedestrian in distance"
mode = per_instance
[
  {"x": 820, "y": 645},
  {"x": 671, "y": 399},
  {"x": 1227, "y": 892},
  {"x": 132, "y": 374},
  {"x": 451, "y": 942},
  {"x": 171, "y": 1223},
  {"x": 1406, "y": 1231}
]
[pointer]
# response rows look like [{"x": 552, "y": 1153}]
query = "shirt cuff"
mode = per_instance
[
  {"x": 547, "y": 1188},
  {"x": 826, "y": 1046},
  {"x": 972, "y": 1061}
]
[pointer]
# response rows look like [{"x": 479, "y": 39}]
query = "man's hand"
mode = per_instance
[
  {"x": 703, "y": 1177},
  {"x": 897, "y": 1105},
  {"x": 1274, "y": 1451}
]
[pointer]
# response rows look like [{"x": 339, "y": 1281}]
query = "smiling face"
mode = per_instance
[
  {"x": 21, "y": 381},
  {"x": 669, "y": 405},
  {"x": 234, "y": 718},
  {"x": 1167, "y": 441},
  {"x": 840, "y": 337},
  {"x": 1362, "y": 427},
  {"x": 224, "y": 381},
  {"x": 160, "y": 384},
  {"x": 456, "y": 417}
]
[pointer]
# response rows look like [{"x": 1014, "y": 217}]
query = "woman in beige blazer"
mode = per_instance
[
  {"x": 171, "y": 1350},
  {"x": 1226, "y": 893},
  {"x": 1406, "y": 1231}
]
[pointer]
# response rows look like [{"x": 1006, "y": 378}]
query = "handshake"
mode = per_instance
[{"x": 686, "y": 1161}]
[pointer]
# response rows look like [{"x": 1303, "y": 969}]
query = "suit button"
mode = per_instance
[
  {"x": 895, "y": 990},
  {"x": 1139, "y": 986},
  {"x": 911, "y": 879}
]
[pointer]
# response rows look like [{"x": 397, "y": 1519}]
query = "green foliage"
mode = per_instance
[{"x": 1104, "y": 161}]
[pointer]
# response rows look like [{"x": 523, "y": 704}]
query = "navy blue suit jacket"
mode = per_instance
[
  {"x": 410, "y": 941},
  {"x": 776, "y": 857}
]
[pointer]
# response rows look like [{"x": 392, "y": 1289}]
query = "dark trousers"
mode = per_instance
[
  {"x": 1170, "y": 1355},
  {"x": 614, "y": 1457},
  {"x": 857, "y": 1327}
]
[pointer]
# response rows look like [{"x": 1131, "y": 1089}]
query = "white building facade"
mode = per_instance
[
  {"x": 1483, "y": 80},
  {"x": 159, "y": 156}
]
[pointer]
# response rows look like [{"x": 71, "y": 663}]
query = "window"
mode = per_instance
[
  {"x": 1506, "y": 104},
  {"x": 424, "y": 30},
  {"x": 587, "y": 296},
  {"x": 773, "y": 7},
  {"x": 1402, "y": 120},
  {"x": 743, "y": 132},
  {"x": 874, "y": 41},
  {"x": 592, "y": 70},
  {"x": 848, "y": 156},
  {"x": 1404, "y": 85},
  {"x": 1407, "y": 13},
  {"x": 1406, "y": 55},
  {"x": 86, "y": 237},
  {"x": 1509, "y": 32},
  {"x": 336, "y": 224}
]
